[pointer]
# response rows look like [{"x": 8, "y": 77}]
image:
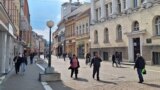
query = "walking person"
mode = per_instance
[
  {"x": 17, "y": 63},
  {"x": 23, "y": 63},
  {"x": 87, "y": 58},
  {"x": 31, "y": 58},
  {"x": 64, "y": 56},
  {"x": 114, "y": 61},
  {"x": 96, "y": 61},
  {"x": 74, "y": 65},
  {"x": 117, "y": 59},
  {"x": 140, "y": 65}
]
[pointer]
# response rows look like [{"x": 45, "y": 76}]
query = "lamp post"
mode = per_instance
[
  {"x": 50, "y": 24},
  {"x": 39, "y": 47},
  {"x": 49, "y": 74}
]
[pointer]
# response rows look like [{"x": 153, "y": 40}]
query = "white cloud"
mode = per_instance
[{"x": 44, "y": 32}]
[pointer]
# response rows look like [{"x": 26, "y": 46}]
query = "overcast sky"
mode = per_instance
[{"x": 43, "y": 10}]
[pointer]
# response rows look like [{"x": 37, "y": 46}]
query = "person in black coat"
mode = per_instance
[
  {"x": 88, "y": 58},
  {"x": 114, "y": 61},
  {"x": 96, "y": 61},
  {"x": 17, "y": 61},
  {"x": 140, "y": 65},
  {"x": 64, "y": 56}
]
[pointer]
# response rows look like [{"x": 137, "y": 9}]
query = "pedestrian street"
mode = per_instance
[{"x": 111, "y": 78}]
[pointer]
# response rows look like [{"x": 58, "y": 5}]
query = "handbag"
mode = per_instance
[{"x": 144, "y": 71}]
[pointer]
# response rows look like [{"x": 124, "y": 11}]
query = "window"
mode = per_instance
[
  {"x": 110, "y": 7},
  {"x": 124, "y": 4},
  {"x": 96, "y": 37},
  {"x": 107, "y": 14},
  {"x": 99, "y": 13},
  {"x": 96, "y": 14},
  {"x": 119, "y": 6},
  {"x": 156, "y": 57},
  {"x": 136, "y": 26},
  {"x": 135, "y": 2},
  {"x": 119, "y": 32},
  {"x": 106, "y": 36},
  {"x": 79, "y": 30},
  {"x": 157, "y": 24},
  {"x": 83, "y": 29},
  {"x": 87, "y": 28}
]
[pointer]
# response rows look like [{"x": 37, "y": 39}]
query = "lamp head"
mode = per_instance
[{"x": 50, "y": 24}]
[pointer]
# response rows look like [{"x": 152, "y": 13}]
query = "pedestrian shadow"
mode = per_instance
[
  {"x": 108, "y": 82},
  {"x": 81, "y": 79},
  {"x": 152, "y": 85}
]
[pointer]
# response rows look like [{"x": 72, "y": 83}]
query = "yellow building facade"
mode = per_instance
[
  {"x": 82, "y": 34},
  {"x": 126, "y": 27}
]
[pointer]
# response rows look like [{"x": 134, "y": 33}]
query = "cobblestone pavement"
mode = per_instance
[{"x": 111, "y": 78}]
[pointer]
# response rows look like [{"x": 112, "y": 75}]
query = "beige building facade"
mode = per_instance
[
  {"x": 128, "y": 27},
  {"x": 82, "y": 33}
]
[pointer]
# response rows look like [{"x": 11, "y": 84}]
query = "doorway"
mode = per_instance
[{"x": 136, "y": 47}]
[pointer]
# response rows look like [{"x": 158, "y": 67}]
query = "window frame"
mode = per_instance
[
  {"x": 106, "y": 35},
  {"x": 157, "y": 26},
  {"x": 136, "y": 26},
  {"x": 119, "y": 33}
]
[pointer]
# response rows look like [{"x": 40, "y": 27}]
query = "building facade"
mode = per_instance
[
  {"x": 70, "y": 30},
  {"x": 82, "y": 33},
  {"x": 25, "y": 27},
  {"x": 126, "y": 26},
  {"x": 9, "y": 28}
]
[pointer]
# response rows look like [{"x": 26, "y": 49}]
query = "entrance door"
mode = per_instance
[{"x": 136, "y": 46}]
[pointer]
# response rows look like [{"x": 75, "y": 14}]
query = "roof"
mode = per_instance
[{"x": 81, "y": 9}]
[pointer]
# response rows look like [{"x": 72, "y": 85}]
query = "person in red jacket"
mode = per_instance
[{"x": 74, "y": 64}]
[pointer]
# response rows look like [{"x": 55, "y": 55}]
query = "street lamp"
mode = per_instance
[
  {"x": 39, "y": 47},
  {"x": 50, "y": 24},
  {"x": 49, "y": 74}
]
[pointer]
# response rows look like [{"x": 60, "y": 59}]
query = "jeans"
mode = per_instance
[
  {"x": 23, "y": 67},
  {"x": 139, "y": 72}
]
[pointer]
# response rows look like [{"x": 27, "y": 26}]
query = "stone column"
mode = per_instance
[
  {"x": 129, "y": 5},
  {"x": 93, "y": 13},
  {"x": 114, "y": 7},
  {"x": 130, "y": 50},
  {"x": 3, "y": 39},
  {"x": 103, "y": 10}
]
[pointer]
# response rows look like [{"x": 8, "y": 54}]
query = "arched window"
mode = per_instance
[
  {"x": 135, "y": 26},
  {"x": 119, "y": 32},
  {"x": 106, "y": 36},
  {"x": 96, "y": 37},
  {"x": 157, "y": 24}
]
